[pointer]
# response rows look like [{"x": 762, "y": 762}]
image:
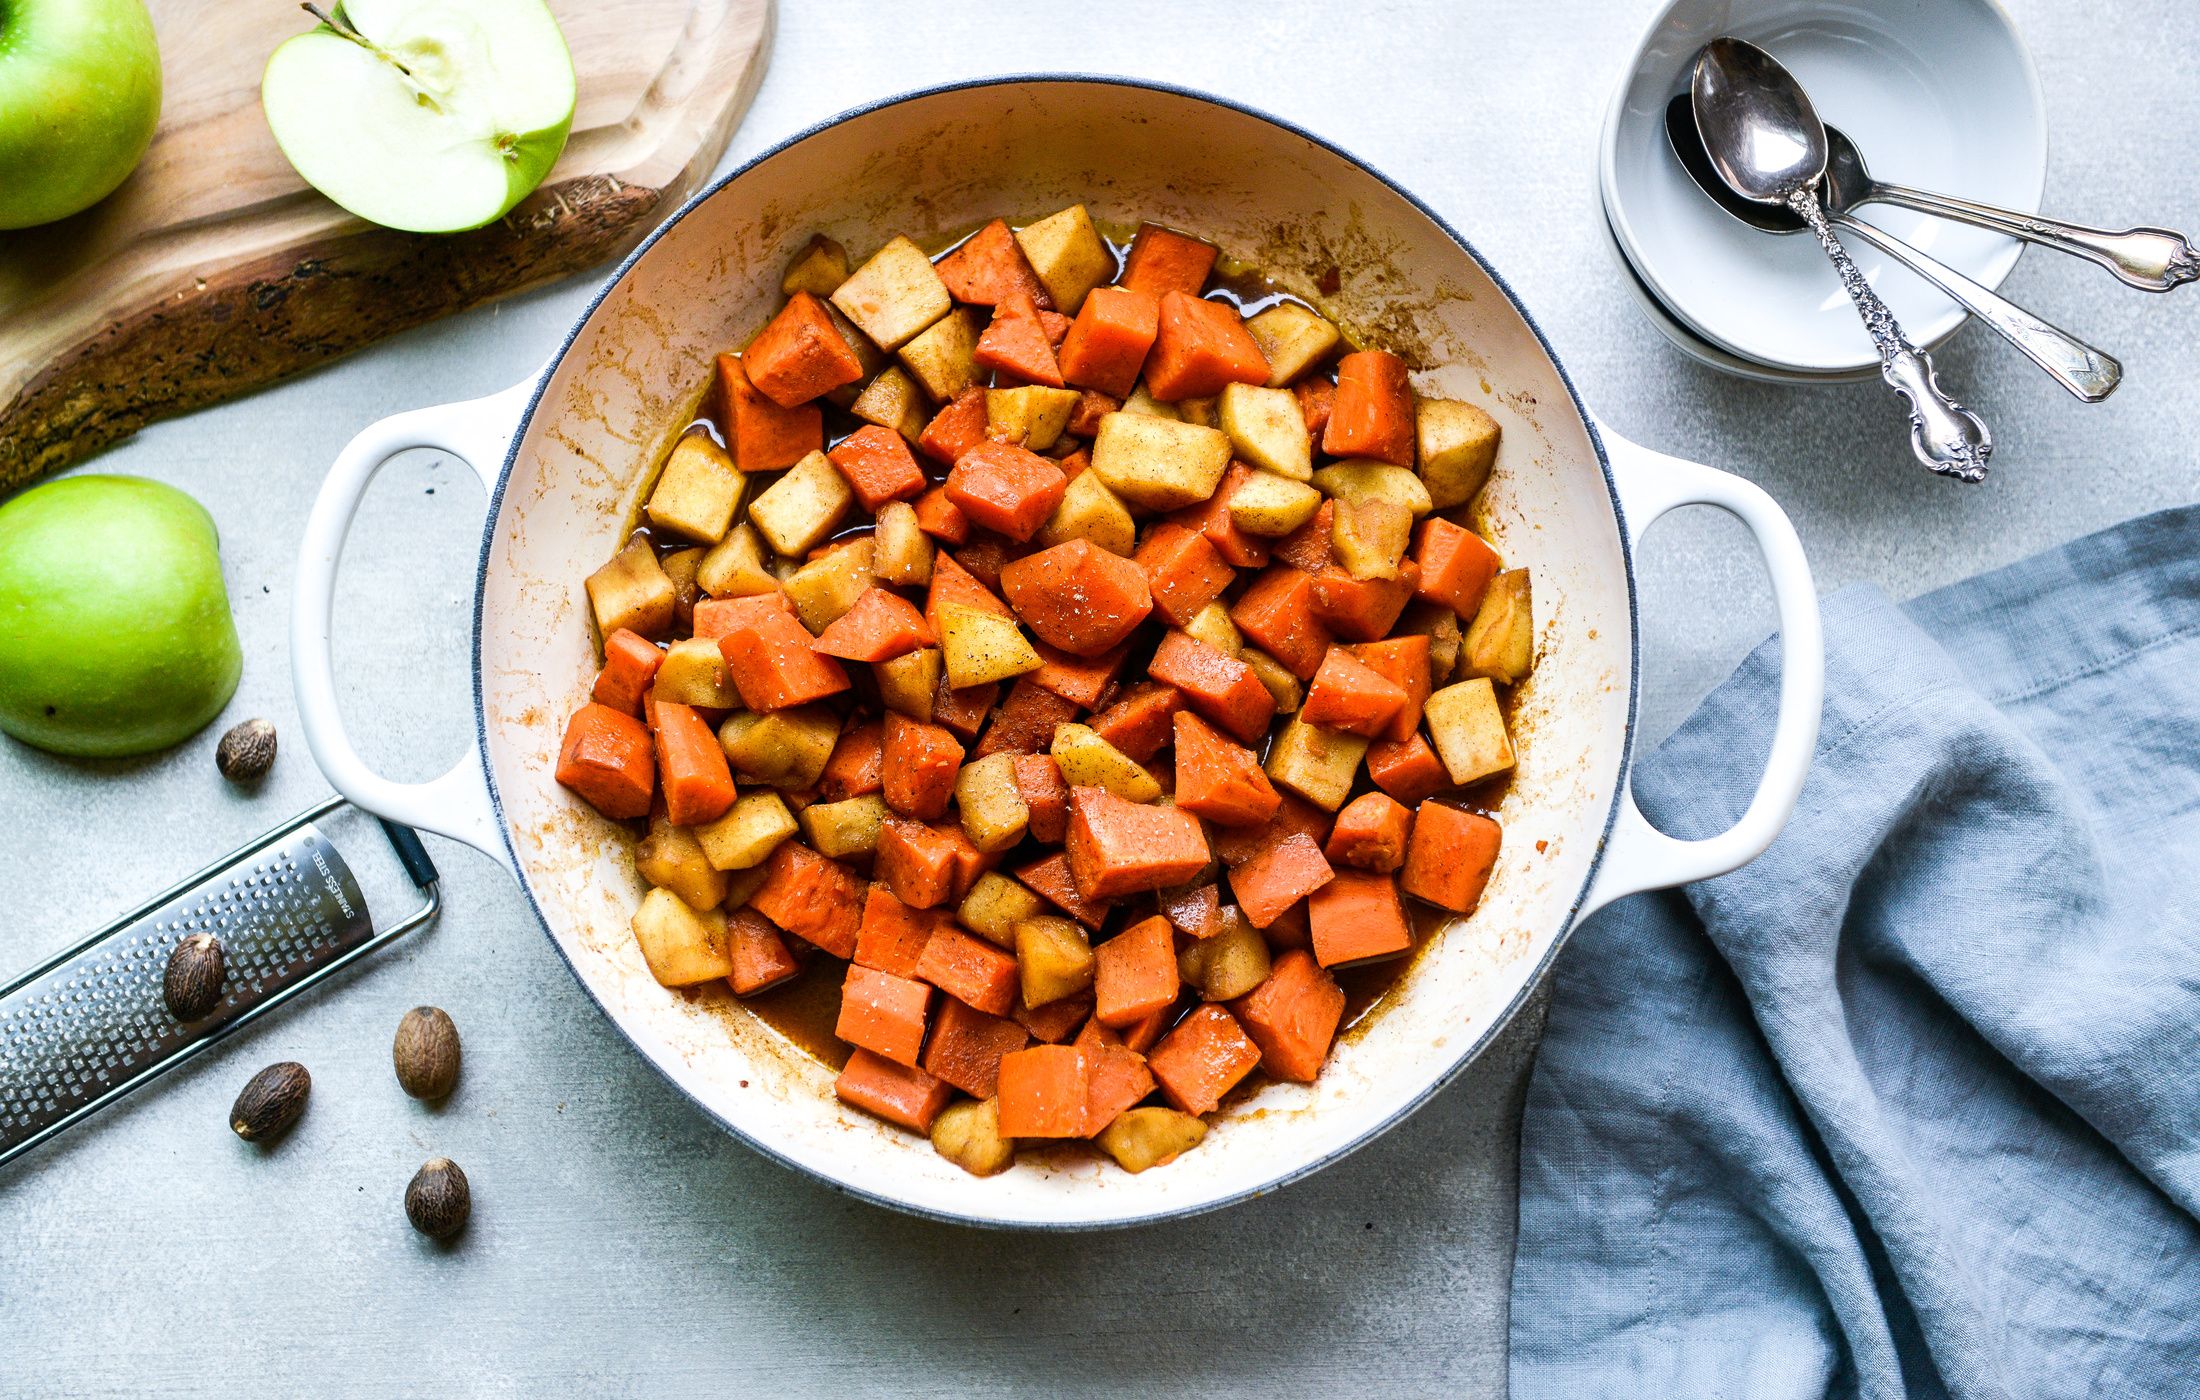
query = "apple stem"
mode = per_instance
[{"x": 344, "y": 29}]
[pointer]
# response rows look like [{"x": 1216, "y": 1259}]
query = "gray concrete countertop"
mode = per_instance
[{"x": 620, "y": 1244}]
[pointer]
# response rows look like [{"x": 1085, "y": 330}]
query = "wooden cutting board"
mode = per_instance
[{"x": 214, "y": 269}]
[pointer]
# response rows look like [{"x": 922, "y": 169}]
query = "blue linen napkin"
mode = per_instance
[{"x": 1911, "y": 1105}]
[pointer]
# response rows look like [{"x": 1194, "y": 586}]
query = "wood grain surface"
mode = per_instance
[{"x": 214, "y": 269}]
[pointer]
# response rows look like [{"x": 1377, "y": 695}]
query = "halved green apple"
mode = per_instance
[{"x": 427, "y": 115}]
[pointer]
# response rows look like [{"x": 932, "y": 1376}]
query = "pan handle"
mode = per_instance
[
  {"x": 479, "y": 433},
  {"x": 1638, "y": 856}
]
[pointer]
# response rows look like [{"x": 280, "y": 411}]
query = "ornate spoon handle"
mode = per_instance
[
  {"x": 1946, "y": 436},
  {"x": 2090, "y": 374},
  {"x": 2151, "y": 259}
]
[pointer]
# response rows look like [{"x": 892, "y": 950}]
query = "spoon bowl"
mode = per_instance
[{"x": 1759, "y": 129}]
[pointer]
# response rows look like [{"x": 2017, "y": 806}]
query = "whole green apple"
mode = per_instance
[
  {"x": 79, "y": 98},
  {"x": 115, "y": 633},
  {"x": 424, "y": 115}
]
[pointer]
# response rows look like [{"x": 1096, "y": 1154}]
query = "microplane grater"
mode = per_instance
[{"x": 90, "y": 1024}]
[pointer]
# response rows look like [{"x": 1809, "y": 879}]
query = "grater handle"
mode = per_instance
[
  {"x": 410, "y": 853},
  {"x": 457, "y": 804}
]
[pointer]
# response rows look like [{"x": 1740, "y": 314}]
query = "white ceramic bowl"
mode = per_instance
[
  {"x": 1938, "y": 94},
  {"x": 565, "y": 455}
]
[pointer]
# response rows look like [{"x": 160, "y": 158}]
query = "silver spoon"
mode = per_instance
[
  {"x": 2090, "y": 374},
  {"x": 2151, "y": 259},
  {"x": 1767, "y": 144}
]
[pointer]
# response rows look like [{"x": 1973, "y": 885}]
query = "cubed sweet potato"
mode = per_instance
[
  {"x": 1357, "y": 917},
  {"x": 1293, "y": 1016},
  {"x": 1117, "y": 847},
  {"x": 1203, "y": 1058},
  {"x": 1450, "y": 856},
  {"x": 1134, "y": 973}
]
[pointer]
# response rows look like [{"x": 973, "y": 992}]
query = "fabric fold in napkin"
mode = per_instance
[{"x": 1910, "y": 1105}]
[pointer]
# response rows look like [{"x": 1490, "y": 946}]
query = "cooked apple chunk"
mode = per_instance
[
  {"x": 694, "y": 673},
  {"x": 784, "y": 749},
  {"x": 697, "y": 492},
  {"x": 1267, "y": 429},
  {"x": 1469, "y": 730},
  {"x": 901, "y": 553},
  {"x": 943, "y": 358},
  {"x": 991, "y": 805},
  {"x": 1087, "y": 760},
  {"x": 969, "y": 1135},
  {"x": 980, "y": 647},
  {"x": 894, "y": 295},
  {"x": 632, "y": 591},
  {"x": 995, "y": 905},
  {"x": 1159, "y": 464},
  {"x": 1228, "y": 965},
  {"x": 1068, "y": 254},
  {"x": 1032, "y": 417},
  {"x": 1150, "y": 1137},
  {"x": 795, "y": 513},
  {"x": 734, "y": 567},
  {"x": 1374, "y": 481},
  {"x": 1272, "y": 506},
  {"x": 909, "y": 684},
  {"x": 1316, "y": 763},
  {"x": 1283, "y": 687},
  {"x": 893, "y": 400},
  {"x": 1370, "y": 536},
  {"x": 1145, "y": 405},
  {"x": 749, "y": 833},
  {"x": 1090, "y": 511},
  {"x": 682, "y": 945},
  {"x": 818, "y": 269},
  {"x": 672, "y": 859},
  {"x": 845, "y": 829},
  {"x": 1054, "y": 957},
  {"x": 1293, "y": 338},
  {"x": 1500, "y": 643},
  {"x": 825, "y": 588},
  {"x": 1457, "y": 443},
  {"x": 1213, "y": 626}
]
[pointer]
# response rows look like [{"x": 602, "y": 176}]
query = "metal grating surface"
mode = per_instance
[{"x": 96, "y": 1018}]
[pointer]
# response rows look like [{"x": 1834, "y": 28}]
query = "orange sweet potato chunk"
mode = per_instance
[
  {"x": 878, "y": 466},
  {"x": 1043, "y": 1091},
  {"x": 968, "y": 1045},
  {"x": 1407, "y": 769},
  {"x": 800, "y": 354},
  {"x": 1003, "y": 487},
  {"x": 892, "y": 935},
  {"x": 1456, "y": 566},
  {"x": 900, "y": 1094},
  {"x": 1293, "y": 1016},
  {"x": 1350, "y": 695},
  {"x": 882, "y": 1013},
  {"x": 1201, "y": 347},
  {"x": 763, "y": 436},
  {"x": 1161, "y": 260},
  {"x": 1138, "y": 723},
  {"x": 1109, "y": 341},
  {"x": 1357, "y": 917},
  {"x": 1077, "y": 597},
  {"x": 881, "y": 626},
  {"x": 1373, "y": 413},
  {"x": 990, "y": 267},
  {"x": 1277, "y": 615},
  {"x": 1204, "y": 1058},
  {"x": 816, "y": 899},
  {"x": 970, "y": 969},
  {"x": 1117, "y": 847},
  {"x": 1370, "y": 834},
  {"x": 1220, "y": 780},
  {"x": 1279, "y": 877},
  {"x": 954, "y": 430},
  {"x": 1450, "y": 856},
  {"x": 918, "y": 767},
  {"x": 1222, "y": 688},
  {"x": 1184, "y": 571},
  {"x": 630, "y": 663},
  {"x": 761, "y": 959},
  {"x": 1134, "y": 973},
  {"x": 607, "y": 758}
]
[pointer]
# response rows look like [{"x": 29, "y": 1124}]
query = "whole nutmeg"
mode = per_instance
[
  {"x": 270, "y": 1102},
  {"x": 438, "y": 1200},
  {"x": 246, "y": 752},
  {"x": 192, "y": 985},
  {"x": 426, "y": 1053}
]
